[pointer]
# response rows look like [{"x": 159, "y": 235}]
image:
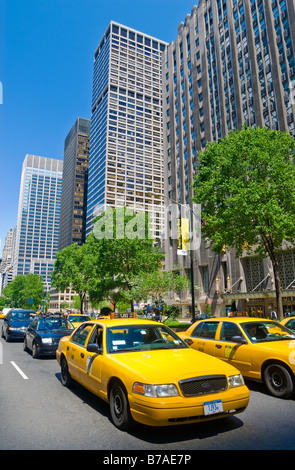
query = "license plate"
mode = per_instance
[{"x": 211, "y": 407}]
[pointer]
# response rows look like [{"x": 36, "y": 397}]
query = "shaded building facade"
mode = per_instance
[
  {"x": 74, "y": 185},
  {"x": 231, "y": 63}
]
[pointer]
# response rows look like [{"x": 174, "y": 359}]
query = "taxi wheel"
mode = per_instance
[
  {"x": 66, "y": 379},
  {"x": 119, "y": 407},
  {"x": 278, "y": 381}
]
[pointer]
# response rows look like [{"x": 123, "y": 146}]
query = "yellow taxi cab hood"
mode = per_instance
[
  {"x": 285, "y": 347},
  {"x": 164, "y": 365}
]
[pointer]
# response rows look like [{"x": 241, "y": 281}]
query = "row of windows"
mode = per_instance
[
  {"x": 184, "y": 108},
  {"x": 139, "y": 38}
]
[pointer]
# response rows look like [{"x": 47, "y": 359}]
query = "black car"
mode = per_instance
[
  {"x": 16, "y": 322},
  {"x": 43, "y": 334}
]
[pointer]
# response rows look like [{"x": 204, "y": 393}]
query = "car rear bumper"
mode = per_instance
[{"x": 188, "y": 410}]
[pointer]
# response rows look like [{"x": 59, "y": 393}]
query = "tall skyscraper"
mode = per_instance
[
  {"x": 232, "y": 63},
  {"x": 72, "y": 228},
  {"x": 7, "y": 257},
  {"x": 36, "y": 241},
  {"x": 126, "y": 144}
]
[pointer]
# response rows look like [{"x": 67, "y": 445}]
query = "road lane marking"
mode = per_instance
[{"x": 19, "y": 370}]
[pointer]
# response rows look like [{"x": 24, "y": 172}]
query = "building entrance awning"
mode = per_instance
[{"x": 257, "y": 295}]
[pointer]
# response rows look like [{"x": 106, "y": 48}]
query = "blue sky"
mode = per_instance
[{"x": 46, "y": 58}]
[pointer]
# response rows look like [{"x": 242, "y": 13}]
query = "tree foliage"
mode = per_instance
[
  {"x": 118, "y": 250},
  {"x": 74, "y": 269},
  {"x": 158, "y": 284},
  {"x": 246, "y": 186},
  {"x": 25, "y": 287},
  {"x": 126, "y": 253}
]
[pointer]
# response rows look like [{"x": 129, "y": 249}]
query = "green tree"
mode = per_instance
[
  {"x": 124, "y": 250},
  {"x": 158, "y": 284},
  {"x": 246, "y": 186},
  {"x": 23, "y": 288},
  {"x": 74, "y": 268}
]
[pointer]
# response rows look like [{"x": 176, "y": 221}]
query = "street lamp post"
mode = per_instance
[{"x": 190, "y": 253}]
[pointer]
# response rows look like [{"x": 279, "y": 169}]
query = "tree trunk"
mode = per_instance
[
  {"x": 278, "y": 286},
  {"x": 270, "y": 248},
  {"x": 82, "y": 296}
]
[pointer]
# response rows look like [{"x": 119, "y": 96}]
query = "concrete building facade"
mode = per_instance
[
  {"x": 126, "y": 144},
  {"x": 37, "y": 231},
  {"x": 232, "y": 62}
]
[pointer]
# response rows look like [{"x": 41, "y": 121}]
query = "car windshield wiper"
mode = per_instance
[{"x": 126, "y": 350}]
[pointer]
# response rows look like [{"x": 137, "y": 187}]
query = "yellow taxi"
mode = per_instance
[
  {"x": 4, "y": 312},
  {"x": 77, "y": 318},
  {"x": 148, "y": 374},
  {"x": 260, "y": 349},
  {"x": 289, "y": 322}
]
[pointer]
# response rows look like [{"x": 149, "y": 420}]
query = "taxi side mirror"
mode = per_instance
[
  {"x": 188, "y": 341},
  {"x": 93, "y": 347},
  {"x": 239, "y": 340}
]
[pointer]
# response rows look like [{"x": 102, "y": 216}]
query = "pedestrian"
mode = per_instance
[
  {"x": 149, "y": 310},
  {"x": 157, "y": 313},
  {"x": 273, "y": 315},
  {"x": 286, "y": 313}
]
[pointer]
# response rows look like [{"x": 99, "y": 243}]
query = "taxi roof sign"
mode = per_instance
[{"x": 116, "y": 315}]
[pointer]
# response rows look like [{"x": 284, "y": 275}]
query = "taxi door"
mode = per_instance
[
  {"x": 90, "y": 363},
  {"x": 236, "y": 354},
  {"x": 203, "y": 337},
  {"x": 76, "y": 349}
]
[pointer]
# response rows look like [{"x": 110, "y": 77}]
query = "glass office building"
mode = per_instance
[
  {"x": 231, "y": 63},
  {"x": 126, "y": 143},
  {"x": 36, "y": 242},
  {"x": 72, "y": 227}
]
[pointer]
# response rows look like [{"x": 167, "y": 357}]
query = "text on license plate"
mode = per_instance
[{"x": 211, "y": 407}]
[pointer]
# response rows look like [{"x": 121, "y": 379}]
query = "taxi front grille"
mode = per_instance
[{"x": 203, "y": 385}]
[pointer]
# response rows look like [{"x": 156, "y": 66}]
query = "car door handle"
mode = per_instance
[
  {"x": 82, "y": 355},
  {"x": 218, "y": 346}
]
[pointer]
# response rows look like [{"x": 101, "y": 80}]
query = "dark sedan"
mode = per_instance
[
  {"x": 43, "y": 335},
  {"x": 16, "y": 322}
]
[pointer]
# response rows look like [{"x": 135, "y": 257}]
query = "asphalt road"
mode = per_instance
[{"x": 37, "y": 412}]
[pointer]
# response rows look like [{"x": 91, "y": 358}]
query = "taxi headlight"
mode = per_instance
[
  {"x": 235, "y": 381},
  {"x": 160, "y": 391}
]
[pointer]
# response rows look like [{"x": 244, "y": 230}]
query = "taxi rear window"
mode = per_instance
[{"x": 205, "y": 330}]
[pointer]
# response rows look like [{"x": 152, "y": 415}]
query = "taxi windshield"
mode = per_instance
[
  {"x": 261, "y": 331},
  {"x": 142, "y": 338}
]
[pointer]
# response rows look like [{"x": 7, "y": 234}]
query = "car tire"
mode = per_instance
[
  {"x": 35, "y": 351},
  {"x": 119, "y": 407},
  {"x": 66, "y": 378},
  {"x": 278, "y": 381}
]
